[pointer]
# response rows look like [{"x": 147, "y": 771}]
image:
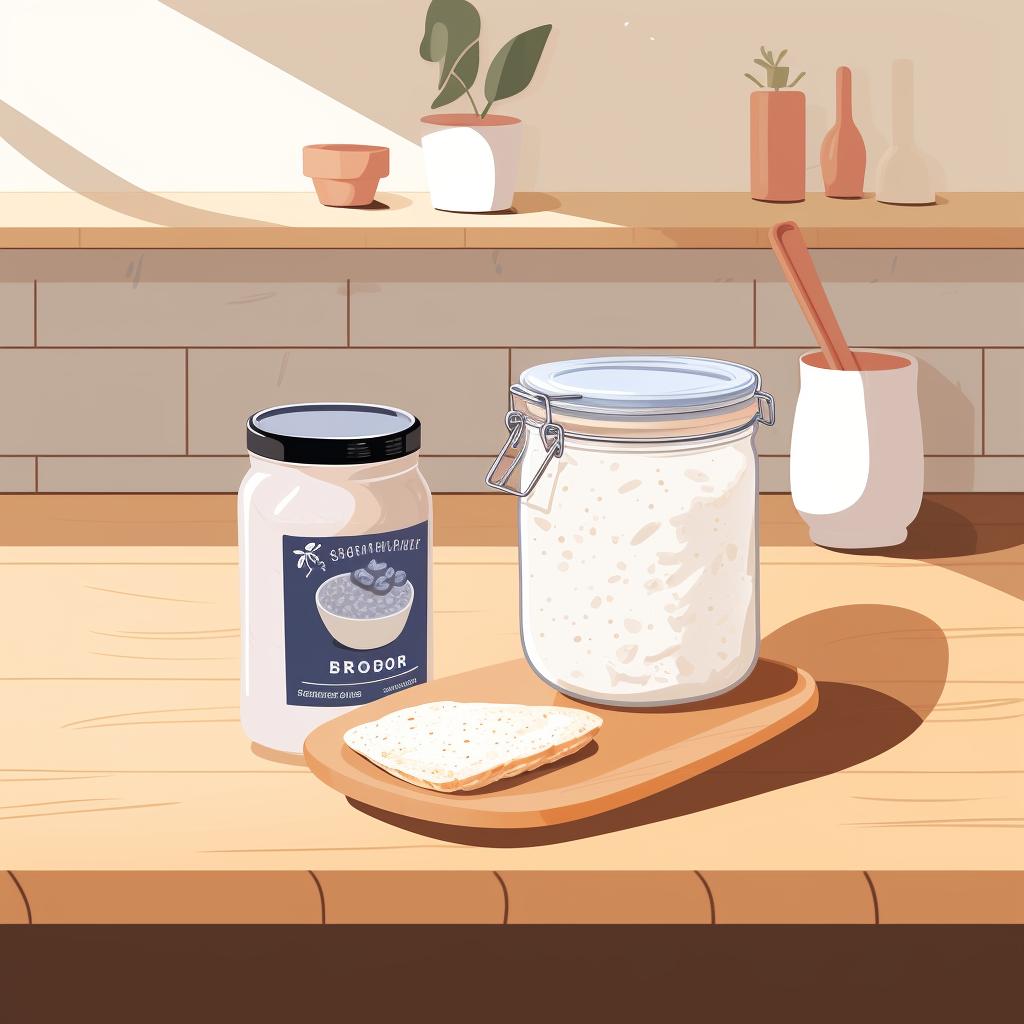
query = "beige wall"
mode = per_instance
[
  {"x": 642, "y": 95},
  {"x": 134, "y": 371}
]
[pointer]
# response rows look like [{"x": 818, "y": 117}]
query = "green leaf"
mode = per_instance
[
  {"x": 451, "y": 31},
  {"x": 765, "y": 54},
  {"x": 767, "y": 67},
  {"x": 462, "y": 76},
  {"x": 514, "y": 64},
  {"x": 760, "y": 85},
  {"x": 778, "y": 60},
  {"x": 797, "y": 79}
]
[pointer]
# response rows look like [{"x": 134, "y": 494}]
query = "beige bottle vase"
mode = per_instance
[{"x": 903, "y": 175}]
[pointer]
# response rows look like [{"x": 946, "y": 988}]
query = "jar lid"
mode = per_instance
[
  {"x": 332, "y": 433},
  {"x": 642, "y": 385}
]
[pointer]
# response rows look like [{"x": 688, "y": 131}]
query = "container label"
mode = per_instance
[{"x": 355, "y": 616}]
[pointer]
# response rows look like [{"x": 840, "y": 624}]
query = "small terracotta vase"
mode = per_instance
[
  {"x": 777, "y": 145},
  {"x": 843, "y": 156},
  {"x": 345, "y": 175}
]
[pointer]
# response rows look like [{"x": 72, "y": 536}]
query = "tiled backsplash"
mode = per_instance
[{"x": 134, "y": 371}]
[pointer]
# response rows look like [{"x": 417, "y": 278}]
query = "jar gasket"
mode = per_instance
[{"x": 553, "y": 436}]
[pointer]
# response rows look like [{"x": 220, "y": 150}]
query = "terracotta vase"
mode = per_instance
[
  {"x": 843, "y": 156},
  {"x": 345, "y": 174},
  {"x": 777, "y": 145}
]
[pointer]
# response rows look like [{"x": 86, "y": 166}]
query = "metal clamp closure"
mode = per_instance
[
  {"x": 552, "y": 436},
  {"x": 765, "y": 403}
]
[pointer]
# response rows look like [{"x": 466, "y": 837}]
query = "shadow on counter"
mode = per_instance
[
  {"x": 880, "y": 670},
  {"x": 944, "y": 534}
]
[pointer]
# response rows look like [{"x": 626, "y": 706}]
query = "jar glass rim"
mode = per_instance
[{"x": 641, "y": 386}]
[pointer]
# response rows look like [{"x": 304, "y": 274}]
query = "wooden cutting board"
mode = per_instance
[{"x": 636, "y": 753}]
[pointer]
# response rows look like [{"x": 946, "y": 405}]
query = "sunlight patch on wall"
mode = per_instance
[{"x": 166, "y": 104}]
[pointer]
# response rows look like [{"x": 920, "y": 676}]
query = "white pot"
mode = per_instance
[
  {"x": 857, "y": 458},
  {"x": 471, "y": 162}
]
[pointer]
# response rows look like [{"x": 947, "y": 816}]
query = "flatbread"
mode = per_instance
[{"x": 448, "y": 745}]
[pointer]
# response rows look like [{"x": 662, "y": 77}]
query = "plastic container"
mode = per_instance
[
  {"x": 638, "y": 554},
  {"x": 334, "y": 496}
]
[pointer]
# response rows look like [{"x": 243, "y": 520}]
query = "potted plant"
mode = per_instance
[
  {"x": 777, "y": 133},
  {"x": 345, "y": 174},
  {"x": 472, "y": 158}
]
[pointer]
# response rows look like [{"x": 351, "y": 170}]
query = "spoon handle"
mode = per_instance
[{"x": 788, "y": 243}]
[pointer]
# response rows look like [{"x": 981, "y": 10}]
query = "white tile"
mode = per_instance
[
  {"x": 193, "y": 298},
  {"x": 559, "y": 297},
  {"x": 195, "y": 474},
  {"x": 1004, "y": 402},
  {"x": 17, "y": 475},
  {"x": 901, "y": 298},
  {"x": 92, "y": 402},
  {"x": 974, "y": 474},
  {"x": 17, "y": 316},
  {"x": 459, "y": 396}
]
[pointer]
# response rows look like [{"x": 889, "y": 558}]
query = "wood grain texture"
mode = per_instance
[
  {"x": 791, "y": 897},
  {"x": 121, "y": 751},
  {"x": 409, "y": 897},
  {"x": 172, "y": 897},
  {"x": 949, "y": 897},
  {"x": 635, "y": 755},
  {"x": 557, "y": 220},
  {"x": 607, "y": 897},
  {"x": 13, "y": 905}
]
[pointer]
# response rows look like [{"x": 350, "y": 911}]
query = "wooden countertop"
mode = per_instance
[
  {"x": 621, "y": 220},
  {"x": 131, "y": 794}
]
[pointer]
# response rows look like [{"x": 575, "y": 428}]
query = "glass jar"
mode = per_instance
[
  {"x": 638, "y": 555},
  {"x": 334, "y": 552}
]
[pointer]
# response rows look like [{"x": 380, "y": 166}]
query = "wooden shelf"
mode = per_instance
[
  {"x": 131, "y": 793},
  {"x": 585, "y": 220}
]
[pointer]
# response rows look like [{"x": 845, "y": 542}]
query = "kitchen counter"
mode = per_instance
[
  {"x": 130, "y": 793},
  {"x": 574, "y": 220}
]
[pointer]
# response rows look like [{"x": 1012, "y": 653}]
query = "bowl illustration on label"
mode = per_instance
[{"x": 366, "y": 608}]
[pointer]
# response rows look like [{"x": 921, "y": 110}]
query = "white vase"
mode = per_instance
[
  {"x": 471, "y": 162},
  {"x": 857, "y": 456},
  {"x": 903, "y": 177}
]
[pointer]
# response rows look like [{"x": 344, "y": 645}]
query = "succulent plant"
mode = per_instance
[{"x": 776, "y": 74}]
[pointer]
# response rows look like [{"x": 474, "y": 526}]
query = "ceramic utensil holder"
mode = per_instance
[{"x": 857, "y": 459}]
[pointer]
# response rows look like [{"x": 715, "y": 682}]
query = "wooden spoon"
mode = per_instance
[{"x": 787, "y": 241}]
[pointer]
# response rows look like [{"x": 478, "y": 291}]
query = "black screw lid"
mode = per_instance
[{"x": 332, "y": 433}]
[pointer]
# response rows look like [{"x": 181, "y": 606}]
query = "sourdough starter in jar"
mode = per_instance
[
  {"x": 638, "y": 544},
  {"x": 334, "y": 538}
]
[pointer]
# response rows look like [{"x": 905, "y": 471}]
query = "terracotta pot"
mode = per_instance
[
  {"x": 777, "y": 145},
  {"x": 471, "y": 161},
  {"x": 345, "y": 174}
]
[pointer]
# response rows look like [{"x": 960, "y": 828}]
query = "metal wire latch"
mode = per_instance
[
  {"x": 765, "y": 403},
  {"x": 552, "y": 436}
]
